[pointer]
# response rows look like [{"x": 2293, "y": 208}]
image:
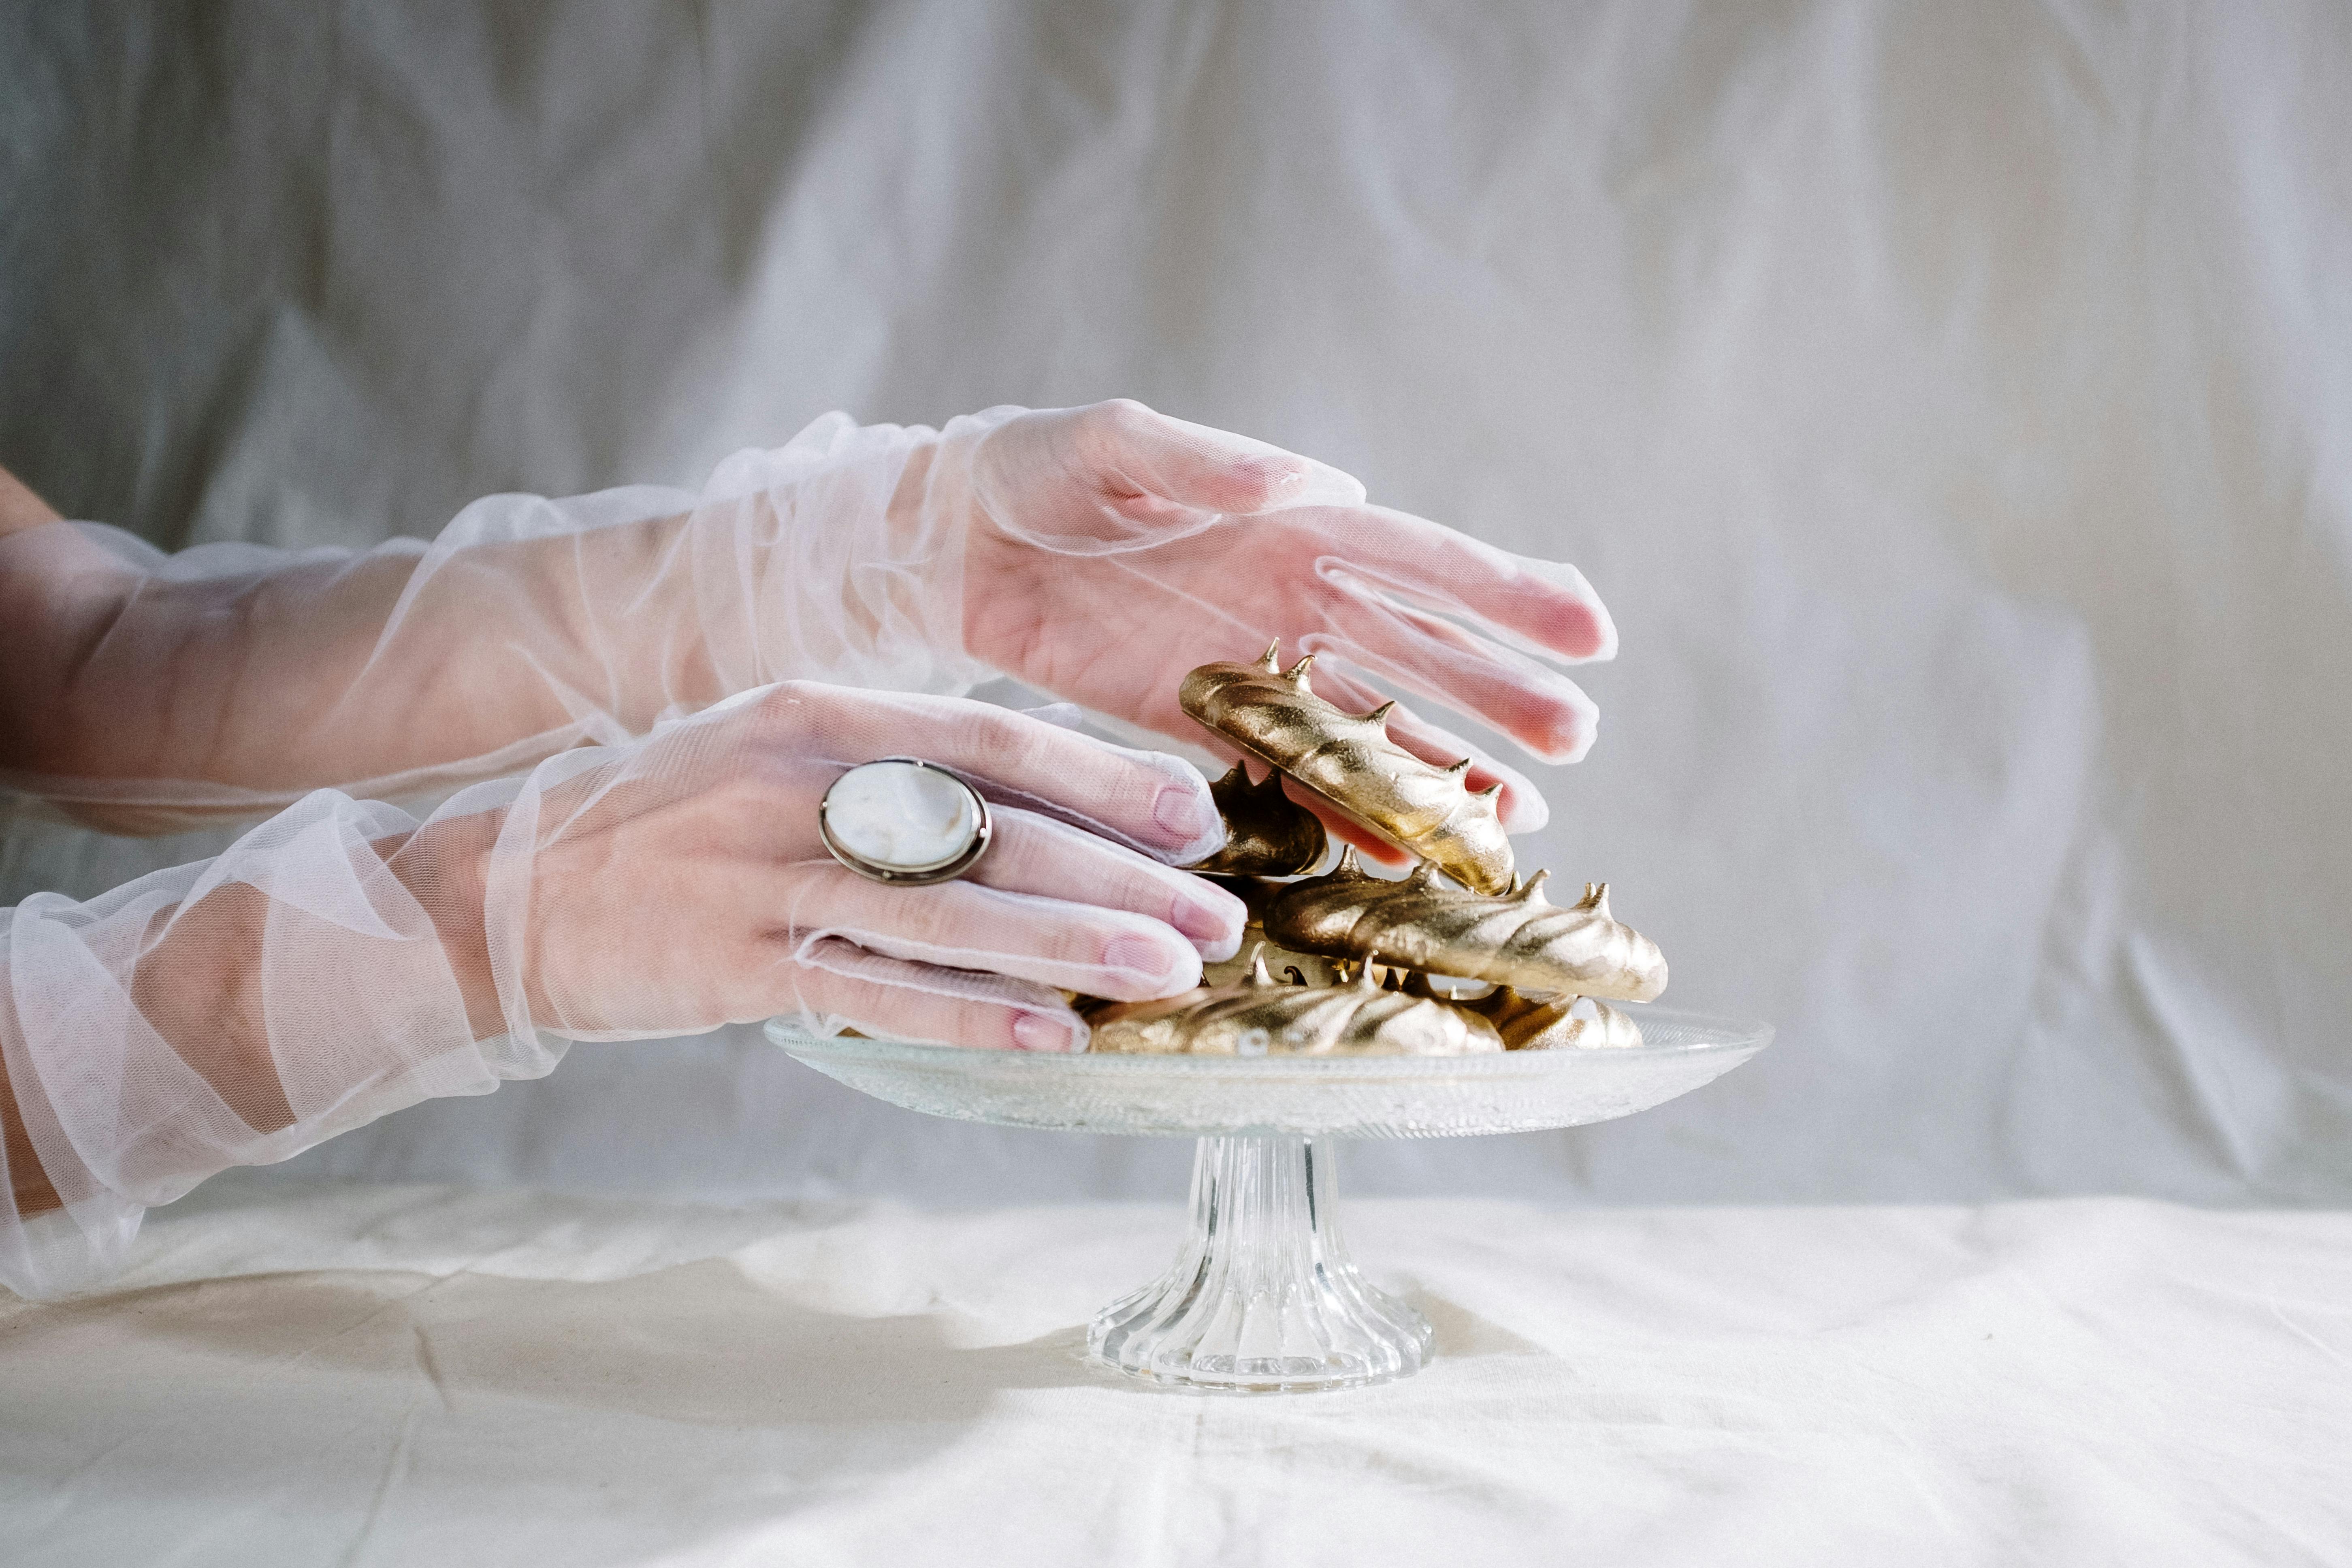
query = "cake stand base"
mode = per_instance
[{"x": 1262, "y": 1298}]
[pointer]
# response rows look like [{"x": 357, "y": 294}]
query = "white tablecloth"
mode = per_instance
[{"x": 355, "y": 1374}]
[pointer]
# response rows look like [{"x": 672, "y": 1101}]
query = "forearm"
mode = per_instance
[
  {"x": 327, "y": 969},
  {"x": 223, "y": 680},
  {"x": 197, "y": 986},
  {"x": 315, "y": 673}
]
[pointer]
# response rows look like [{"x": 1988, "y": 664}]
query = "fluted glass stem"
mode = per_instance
[{"x": 1261, "y": 1297}]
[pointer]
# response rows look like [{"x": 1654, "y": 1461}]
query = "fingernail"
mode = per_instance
[
  {"x": 1137, "y": 956},
  {"x": 1035, "y": 1032},
  {"x": 1523, "y": 810},
  {"x": 1186, "y": 811},
  {"x": 1279, "y": 475},
  {"x": 1209, "y": 923}
]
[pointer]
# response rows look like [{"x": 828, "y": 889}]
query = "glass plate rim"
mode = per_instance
[{"x": 1741, "y": 1036}]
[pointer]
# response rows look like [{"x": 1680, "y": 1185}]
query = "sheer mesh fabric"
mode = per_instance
[{"x": 630, "y": 703}]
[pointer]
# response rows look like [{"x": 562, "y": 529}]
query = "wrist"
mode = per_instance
[{"x": 444, "y": 866}]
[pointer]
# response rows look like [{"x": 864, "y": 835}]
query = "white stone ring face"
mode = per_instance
[{"x": 904, "y": 821}]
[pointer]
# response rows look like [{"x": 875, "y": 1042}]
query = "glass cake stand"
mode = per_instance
[{"x": 1261, "y": 1297}]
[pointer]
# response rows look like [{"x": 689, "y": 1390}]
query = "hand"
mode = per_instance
[
  {"x": 342, "y": 960},
  {"x": 1098, "y": 553},
  {"x": 679, "y": 883},
  {"x": 1112, "y": 549}
]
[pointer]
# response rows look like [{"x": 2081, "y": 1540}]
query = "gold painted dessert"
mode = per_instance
[
  {"x": 1264, "y": 1016},
  {"x": 1532, "y": 1023},
  {"x": 1342, "y": 964},
  {"x": 1519, "y": 939},
  {"x": 1298, "y": 968},
  {"x": 1349, "y": 760},
  {"x": 1283, "y": 963},
  {"x": 1267, "y": 833}
]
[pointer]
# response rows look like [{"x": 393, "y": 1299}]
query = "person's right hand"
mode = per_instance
[
  {"x": 1109, "y": 550},
  {"x": 679, "y": 883}
]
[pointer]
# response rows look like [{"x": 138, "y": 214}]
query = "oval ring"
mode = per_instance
[{"x": 854, "y": 841}]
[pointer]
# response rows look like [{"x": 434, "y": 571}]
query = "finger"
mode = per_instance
[
  {"x": 1147, "y": 800},
  {"x": 1539, "y": 708},
  {"x": 1033, "y": 854},
  {"x": 1061, "y": 715},
  {"x": 835, "y": 984},
  {"x": 1197, "y": 468},
  {"x": 1073, "y": 946},
  {"x": 1547, "y": 603},
  {"x": 1293, "y": 585}
]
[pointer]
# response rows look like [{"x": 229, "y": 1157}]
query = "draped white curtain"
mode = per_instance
[{"x": 1953, "y": 406}]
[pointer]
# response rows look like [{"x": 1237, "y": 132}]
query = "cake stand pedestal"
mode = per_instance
[{"x": 1261, "y": 1297}]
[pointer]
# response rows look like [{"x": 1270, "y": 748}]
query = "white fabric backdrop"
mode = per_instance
[{"x": 1953, "y": 403}]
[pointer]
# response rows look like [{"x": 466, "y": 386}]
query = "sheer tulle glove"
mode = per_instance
[
  {"x": 342, "y": 960},
  {"x": 680, "y": 883},
  {"x": 1110, "y": 549},
  {"x": 1096, "y": 554}
]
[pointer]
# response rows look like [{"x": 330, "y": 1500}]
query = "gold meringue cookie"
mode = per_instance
[
  {"x": 1263, "y": 1016},
  {"x": 1518, "y": 940},
  {"x": 1349, "y": 760},
  {"x": 1255, "y": 893},
  {"x": 1529, "y": 1023},
  {"x": 1298, "y": 968},
  {"x": 1267, "y": 833}
]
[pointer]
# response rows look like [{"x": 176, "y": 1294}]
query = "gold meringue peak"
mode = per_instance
[
  {"x": 1349, "y": 760},
  {"x": 1263, "y": 1016},
  {"x": 1518, "y": 939},
  {"x": 1267, "y": 833}
]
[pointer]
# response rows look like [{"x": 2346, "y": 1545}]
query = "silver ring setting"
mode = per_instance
[{"x": 904, "y": 822}]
